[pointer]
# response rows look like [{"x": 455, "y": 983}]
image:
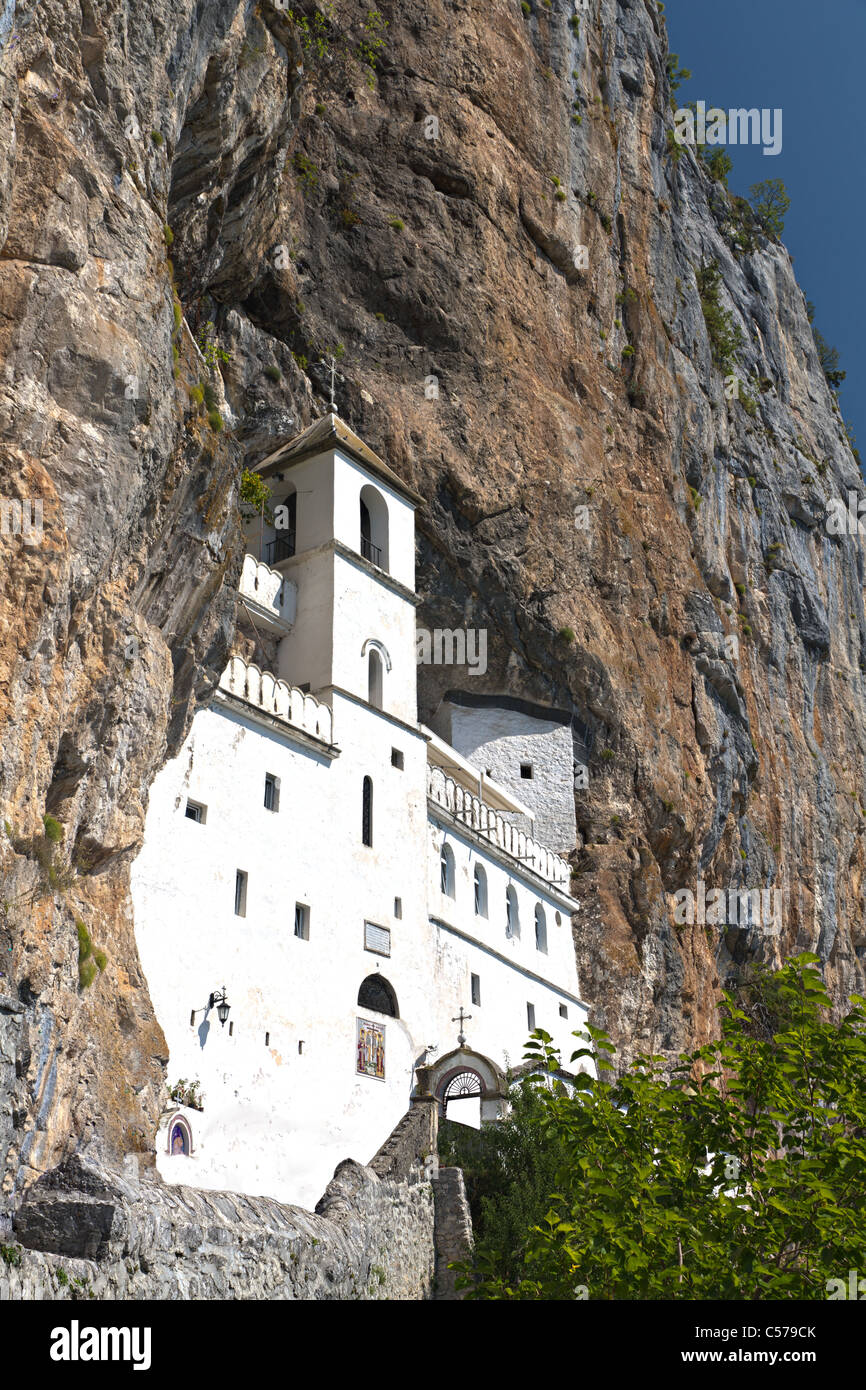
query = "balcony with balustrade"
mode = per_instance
[
  {"x": 270, "y": 597},
  {"x": 286, "y": 704},
  {"x": 469, "y": 810}
]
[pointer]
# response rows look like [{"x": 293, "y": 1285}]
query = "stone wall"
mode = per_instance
[
  {"x": 82, "y": 1231},
  {"x": 453, "y": 1230}
]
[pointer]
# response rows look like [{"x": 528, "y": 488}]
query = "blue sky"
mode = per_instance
[{"x": 807, "y": 59}]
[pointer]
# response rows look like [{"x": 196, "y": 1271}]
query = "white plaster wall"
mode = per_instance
[
  {"x": 305, "y": 654},
  {"x": 500, "y": 740},
  {"x": 276, "y": 1121},
  {"x": 368, "y": 608},
  {"x": 349, "y": 479},
  {"x": 499, "y": 1028}
]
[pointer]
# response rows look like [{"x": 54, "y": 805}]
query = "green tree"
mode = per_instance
[
  {"x": 676, "y": 75},
  {"x": 255, "y": 497},
  {"x": 726, "y": 337},
  {"x": 770, "y": 202},
  {"x": 738, "y": 1172},
  {"x": 829, "y": 358}
]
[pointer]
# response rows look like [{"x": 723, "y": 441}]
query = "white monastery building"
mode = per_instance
[{"x": 359, "y": 891}]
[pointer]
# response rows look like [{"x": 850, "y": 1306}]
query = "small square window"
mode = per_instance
[
  {"x": 530, "y": 1017},
  {"x": 563, "y": 1011},
  {"x": 398, "y": 908},
  {"x": 272, "y": 792},
  {"x": 397, "y": 758},
  {"x": 241, "y": 893},
  {"x": 476, "y": 990},
  {"x": 302, "y": 921},
  {"x": 195, "y": 811},
  {"x": 526, "y": 771}
]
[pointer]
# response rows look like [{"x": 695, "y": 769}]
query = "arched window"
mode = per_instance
[
  {"x": 480, "y": 892},
  {"x": 540, "y": 929},
  {"x": 367, "y": 812},
  {"x": 285, "y": 523},
  {"x": 377, "y": 994},
  {"x": 512, "y": 916},
  {"x": 446, "y": 870},
  {"x": 374, "y": 527},
  {"x": 374, "y": 678}
]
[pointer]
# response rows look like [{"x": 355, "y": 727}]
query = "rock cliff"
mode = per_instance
[{"x": 213, "y": 198}]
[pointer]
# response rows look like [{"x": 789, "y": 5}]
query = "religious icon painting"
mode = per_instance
[{"x": 370, "y": 1052}]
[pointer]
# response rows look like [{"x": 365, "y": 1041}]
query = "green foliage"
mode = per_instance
[
  {"x": 852, "y": 440},
  {"x": 734, "y": 1173},
  {"x": 212, "y": 353},
  {"x": 85, "y": 945},
  {"x": 255, "y": 496},
  {"x": 53, "y": 829},
  {"x": 397, "y": 223},
  {"x": 168, "y": 234},
  {"x": 829, "y": 358},
  {"x": 301, "y": 360},
  {"x": 675, "y": 149},
  {"x": 187, "y": 1093},
  {"x": 725, "y": 336},
  {"x": 307, "y": 171},
  {"x": 90, "y": 959},
  {"x": 273, "y": 373},
  {"x": 607, "y": 754},
  {"x": 62, "y": 1276},
  {"x": 566, "y": 634},
  {"x": 196, "y": 394},
  {"x": 509, "y": 1177},
  {"x": 371, "y": 43},
  {"x": 526, "y": 8},
  {"x": 215, "y": 420},
  {"x": 156, "y": 138},
  {"x": 10, "y": 1255},
  {"x": 349, "y": 217},
  {"x": 86, "y": 973},
  {"x": 770, "y": 202},
  {"x": 209, "y": 393},
  {"x": 718, "y": 164},
  {"x": 676, "y": 75}
]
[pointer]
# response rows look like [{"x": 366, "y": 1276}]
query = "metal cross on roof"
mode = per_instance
[
  {"x": 332, "y": 363},
  {"x": 461, "y": 1019}
]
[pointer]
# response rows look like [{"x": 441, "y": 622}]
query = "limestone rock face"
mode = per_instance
[{"x": 422, "y": 224}]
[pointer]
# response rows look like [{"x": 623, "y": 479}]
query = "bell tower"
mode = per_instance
[{"x": 343, "y": 533}]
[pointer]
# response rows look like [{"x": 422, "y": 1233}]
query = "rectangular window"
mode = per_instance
[
  {"x": 195, "y": 811},
  {"x": 367, "y": 812},
  {"x": 272, "y": 792},
  {"x": 526, "y": 771},
  {"x": 530, "y": 1017},
  {"x": 240, "y": 893},
  {"x": 377, "y": 939},
  {"x": 302, "y": 921},
  {"x": 398, "y": 907},
  {"x": 563, "y": 1011},
  {"x": 397, "y": 758},
  {"x": 476, "y": 990}
]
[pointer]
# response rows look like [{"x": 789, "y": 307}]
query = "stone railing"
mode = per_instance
[
  {"x": 275, "y": 697},
  {"x": 270, "y": 590},
  {"x": 473, "y": 812}
]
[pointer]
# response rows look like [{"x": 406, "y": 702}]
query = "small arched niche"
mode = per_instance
[
  {"x": 179, "y": 1137},
  {"x": 377, "y": 994},
  {"x": 374, "y": 527}
]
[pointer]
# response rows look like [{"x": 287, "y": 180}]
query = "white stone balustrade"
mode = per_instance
[
  {"x": 268, "y": 589},
  {"x": 275, "y": 697},
  {"x": 473, "y": 812}
]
